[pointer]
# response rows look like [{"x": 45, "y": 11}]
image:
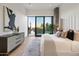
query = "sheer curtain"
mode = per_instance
[{"x": 71, "y": 22}]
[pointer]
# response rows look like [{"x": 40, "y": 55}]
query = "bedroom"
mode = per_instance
[{"x": 65, "y": 17}]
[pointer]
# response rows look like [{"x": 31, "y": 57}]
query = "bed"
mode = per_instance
[{"x": 51, "y": 45}]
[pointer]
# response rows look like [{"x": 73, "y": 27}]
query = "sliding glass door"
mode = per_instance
[
  {"x": 48, "y": 25},
  {"x": 39, "y": 25},
  {"x": 31, "y": 26},
  {"x": 43, "y": 25}
]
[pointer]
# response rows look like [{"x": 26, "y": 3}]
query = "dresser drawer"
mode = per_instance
[{"x": 11, "y": 43}]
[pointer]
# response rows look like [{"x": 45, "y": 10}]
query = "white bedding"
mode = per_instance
[{"x": 52, "y": 45}]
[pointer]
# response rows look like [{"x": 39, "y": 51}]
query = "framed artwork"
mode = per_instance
[{"x": 8, "y": 19}]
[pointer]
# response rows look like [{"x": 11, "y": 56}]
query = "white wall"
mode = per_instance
[
  {"x": 40, "y": 12},
  {"x": 70, "y": 16},
  {"x": 20, "y": 20},
  {"x": 1, "y": 19}
]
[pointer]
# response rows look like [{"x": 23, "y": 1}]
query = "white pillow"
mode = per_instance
[{"x": 58, "y": 34}]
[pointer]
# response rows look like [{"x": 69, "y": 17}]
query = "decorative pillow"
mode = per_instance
[
  {"x": 64, "y": 34},
  {"x": 58, "y": 34},
  {"x": 76, "y": 36}
]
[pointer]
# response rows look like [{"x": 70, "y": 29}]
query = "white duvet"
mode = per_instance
[{"x": 52, "y": 45}]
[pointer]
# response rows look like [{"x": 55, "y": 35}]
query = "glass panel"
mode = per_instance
[
  {"x": 39, "y": 25},
  {"x": 31, "y": 25},
  {"x": 48, "y": 25}
]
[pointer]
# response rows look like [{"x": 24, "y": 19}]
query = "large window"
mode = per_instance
[
  {"x": 31, "y": 25},
  {"x": 40, "y": 25},
  {"x": 48, "y": 25}
]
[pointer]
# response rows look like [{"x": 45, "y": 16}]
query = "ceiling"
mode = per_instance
[
  {"x": 37, "y": 6},
  {"x": 46, "y": 6},
  {"x": 34, "y": 6},
  {"x": 41, "y": 6}
]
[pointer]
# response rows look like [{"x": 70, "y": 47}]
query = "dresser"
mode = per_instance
[{"x": 9, "y": 42}]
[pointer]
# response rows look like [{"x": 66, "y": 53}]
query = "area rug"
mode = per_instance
[{"x": 33, "y": 48}]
